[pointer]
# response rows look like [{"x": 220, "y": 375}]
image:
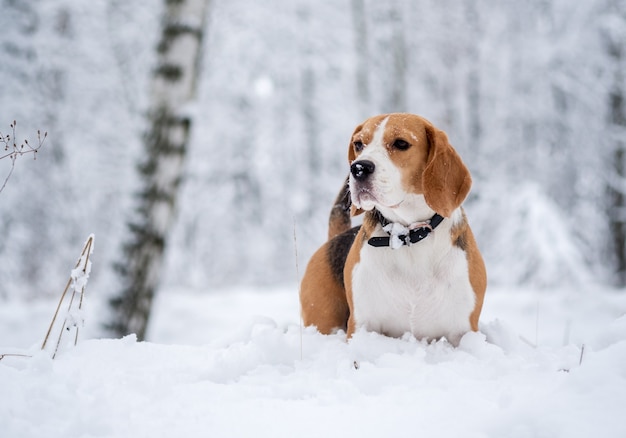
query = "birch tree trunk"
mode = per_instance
[
  {"x": 398, "y": 46},
  {"x": 173, "y": 86},
  {"x": 311, "y": 128},
  {"x": 617, "y": 178},
  {"x": 612, "y": 37},
  {"x": 473, "y": 79},
  {"x": 359, "y": 24}
]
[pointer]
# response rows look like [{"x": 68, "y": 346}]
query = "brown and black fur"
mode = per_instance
[
  {"x": 341, "y": 236},
  {"x": 434, "y": 170}
]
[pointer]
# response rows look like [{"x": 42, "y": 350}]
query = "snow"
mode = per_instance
[
  {"x": 280, "y": 85},
  {"x": 237, "y": 363},
  {"x": 517, "y": 103},
  {"x": 545, "y": 251}
]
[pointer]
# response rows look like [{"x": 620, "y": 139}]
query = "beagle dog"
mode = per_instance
[{"x": 413, "y": 265}]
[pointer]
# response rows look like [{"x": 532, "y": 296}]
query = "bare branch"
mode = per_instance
[{"x": 13, "y": 150}]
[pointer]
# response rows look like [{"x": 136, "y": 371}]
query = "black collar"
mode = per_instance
[{"x": 415, "y": 235}]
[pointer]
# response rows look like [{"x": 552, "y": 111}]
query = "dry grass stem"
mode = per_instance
[{"x": 77, "y": 283}]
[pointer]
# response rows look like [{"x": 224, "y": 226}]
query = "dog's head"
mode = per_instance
[{"x": 396, "y": 159}]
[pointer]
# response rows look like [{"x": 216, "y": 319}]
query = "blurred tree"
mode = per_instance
[
  {"x": 34, "y": 91},
  {"x": 398, "y": 92},
  {"x": 473, "y": 81},
  {"x": 311, "y": 128},
  {"x": 173, "y": 87},
  {"x": 359, "y": 24},
  {"x": 613, "y": 38},
  {"x": 309, "y": 111}
]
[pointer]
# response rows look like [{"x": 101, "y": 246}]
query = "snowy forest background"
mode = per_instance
[{"x": 530, "y": 93}]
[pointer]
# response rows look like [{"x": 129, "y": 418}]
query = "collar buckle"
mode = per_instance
[{"x": 398, "y": 235}]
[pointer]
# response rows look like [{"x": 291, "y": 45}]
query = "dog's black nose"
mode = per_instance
[{"x": 362, "y": 169}]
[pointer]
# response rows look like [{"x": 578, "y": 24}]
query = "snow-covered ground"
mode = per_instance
[{"x": 236, "y": 363}]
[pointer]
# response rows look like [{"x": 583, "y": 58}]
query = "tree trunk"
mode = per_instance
[
  {"x": 617, "y": 197},
  {"x": 311, "y": 129},
  {"x": 173, "y": 86},
  {"x": 617, "y": 177},
  {"x": 359, "y": 23},
  {"x": 473, "y": 84},
  {"x": 398, "y": 46}
]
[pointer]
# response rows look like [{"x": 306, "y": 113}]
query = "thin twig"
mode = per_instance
[
  {"x": 56, "y": 313},
  {"x": 18, "y": 151},
  {"x": 82, "y": 290},
  {"x": 582, "y": 352},
  {"x": 3, "y": 355},
  {"x": 295, "y": 249},
  {"x": 8, "y": 176},
  {"x": 537, "y": 324},
  {"x": 84, "y": 260},
  {"x": 63, "y": 327}
]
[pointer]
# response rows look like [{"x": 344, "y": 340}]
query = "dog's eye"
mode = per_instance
[
  {"x": 358, "y": 146},
  {"x": 401, "y": 145}
]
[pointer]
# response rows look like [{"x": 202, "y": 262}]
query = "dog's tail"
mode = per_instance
[{"x": 339, "y": 220}]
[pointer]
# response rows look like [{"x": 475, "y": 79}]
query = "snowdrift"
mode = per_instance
[{"x": 248, "y": 369}]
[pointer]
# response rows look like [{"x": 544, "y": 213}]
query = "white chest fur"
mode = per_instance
[{"x": 423, "y": 289}]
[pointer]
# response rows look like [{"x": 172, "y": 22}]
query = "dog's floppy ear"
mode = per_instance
[
  {"x": 354, "y": 210},
  {"x": 351, "y": 153},
  {"x": 445, "y": 181}
]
